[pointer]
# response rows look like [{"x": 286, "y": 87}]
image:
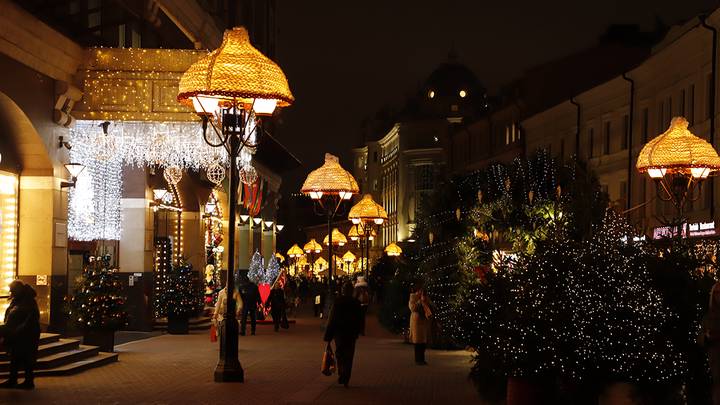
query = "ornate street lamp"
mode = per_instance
[
  {"x": 393, "y": 250},
  {"x": 294, "y": 253},
  {"x": 230, "y": 88},
  {"x": 312, "y": 248},
  {"x": 365, "y": 214},
  {"x": 348, "y": 258},
  {"x": 328, "y": 186},
  {"x": 678, "y": 162}
]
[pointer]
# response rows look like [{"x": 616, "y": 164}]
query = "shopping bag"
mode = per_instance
[
  {"x": 213, "y": 332},
  {"x": 328, "y": 361}
]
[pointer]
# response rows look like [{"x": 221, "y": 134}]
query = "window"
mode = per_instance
[
  {"x": 606, "y": 143},
  {"x": 691, "y": 105},
  {"x": 604, "y": 188},
  {"x": 661, "y": 115},
  {"x": 507, "y": 135},
  {"x": 512, "y": 131},
  {"x": 669, "y": 114},
  {"x": 682, "y": 103},
  {"x": 424, "y": 178},
  {"x": 626, "y": 132},
  {"x": 645, "y": 123},
  {"x": 591, "y": 140},
  {"x": 623, "y": 194}
]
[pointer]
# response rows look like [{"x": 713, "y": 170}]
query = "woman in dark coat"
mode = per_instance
[
  {"x": 344, "y": 327},
  {"x": 21, "y": 334}
]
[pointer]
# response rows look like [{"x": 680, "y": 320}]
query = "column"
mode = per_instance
[
  {"x": 268, "y": 244},
  {"x": 42, "y": 245}
]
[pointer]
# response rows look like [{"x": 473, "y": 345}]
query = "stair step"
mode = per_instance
[
  {"x": 98, "y": 360},
  {"x": 49, "y": 338},
  {"x": 50, "y": 348},
  {"x": 59, "y": 359}
]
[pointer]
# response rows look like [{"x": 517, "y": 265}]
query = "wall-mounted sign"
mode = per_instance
[
  {"x": 692, "y": 230},
  {"x": 41, "y": 280}
]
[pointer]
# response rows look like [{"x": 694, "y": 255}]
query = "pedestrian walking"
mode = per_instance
[
  {"x": 419, "y": 323},
  {"x": 344, "y": 327},
  {"x": 250, "y": 294},
  {"x": 276, "y": 302},
  {"x": 21, "y": 334},
  {"x": 363, "y": 295},
  {"x": 220, "y": 310}
]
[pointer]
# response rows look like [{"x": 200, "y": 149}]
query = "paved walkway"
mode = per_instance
[{"x": 280, "y": 368}]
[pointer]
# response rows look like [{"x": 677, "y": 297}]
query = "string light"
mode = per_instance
[{"x": 8, "y": 232}]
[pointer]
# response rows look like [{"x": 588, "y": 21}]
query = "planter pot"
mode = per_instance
[
  {"x": 104, "y": 339},
  {"x": 178, "y": 325},
  {"x": 526, "y": 391}
]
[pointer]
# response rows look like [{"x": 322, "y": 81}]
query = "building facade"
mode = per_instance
[{"x": 607, "y": 125}]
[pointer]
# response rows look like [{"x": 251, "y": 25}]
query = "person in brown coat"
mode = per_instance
[
  {"x": 419, "y": 323},
  {"x": 21, "y": 334}
]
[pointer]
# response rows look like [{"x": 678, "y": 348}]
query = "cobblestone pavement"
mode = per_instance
[{"x": 280, "y": 368}]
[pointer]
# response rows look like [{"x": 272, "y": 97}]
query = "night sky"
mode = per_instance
[{"x": 345, "y": 60}]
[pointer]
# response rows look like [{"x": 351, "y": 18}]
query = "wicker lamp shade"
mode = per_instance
[
  {"x": 338, "y": 238},
  {"x": 295, "y": 251},
  {"x": 353, "y": 233},
  {"x": 348, "y": 257},
  {"x": 678, "y": 150},
  {"x": 367, "y": 210},
  {"x": 393, "y": 249},
  {"x": 330, "y": 178},
  {"x": 235, "y": 71},
  {"x": 280, "y": 257},
  {"x": 312, "y": 246},
  {"x": 321, "y": 263}
]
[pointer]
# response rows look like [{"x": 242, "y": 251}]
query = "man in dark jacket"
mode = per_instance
[
  {"x": 276, "y": 301},
  {"x": 21, "y": 334},
  {"x": 250, "y": 295},
  {"x": 344, "y": 326}
]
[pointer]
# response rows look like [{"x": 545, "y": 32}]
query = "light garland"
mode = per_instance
[
  {"x": 8, "y": 232},
  {"x": 140, "y": 144},
  {"x": 94, "y": 211}
]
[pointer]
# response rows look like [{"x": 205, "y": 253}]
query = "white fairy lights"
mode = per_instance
[
  {"x": 94, "y": 203},
  {"x": 8, "y": 232}
]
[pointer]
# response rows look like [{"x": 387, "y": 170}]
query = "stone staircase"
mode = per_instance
[
  {"x": 199, "y": 323},
  {"x": 58, "y": 356}
]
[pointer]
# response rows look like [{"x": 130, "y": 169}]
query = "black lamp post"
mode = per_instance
[{"x": 230, "y": 88}]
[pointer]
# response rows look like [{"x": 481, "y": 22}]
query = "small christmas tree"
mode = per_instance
[
  {"x": 179, "y": 297},
  {"x": 272, "y": 272},
  {"x": 256, "y": 273},
  {"x": 98, "y": 300}
]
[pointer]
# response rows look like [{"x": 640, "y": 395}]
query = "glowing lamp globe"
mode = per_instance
[
  {"x": 234, "y": 75},
  {"x": 367, "y": 210},
  {"x": 678, "y": 151},
  {"x": 393, "y": 250},
  {"x": 330, "y": 179}
]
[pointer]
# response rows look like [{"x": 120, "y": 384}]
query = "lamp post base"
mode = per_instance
[{"x": 226, "y": 372}]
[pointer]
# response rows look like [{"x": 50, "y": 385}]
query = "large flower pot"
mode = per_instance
[
  {"x": 102, "y": 338},
  {"x": 526, "y": 391},
  {"x": 178, "y": 325}
]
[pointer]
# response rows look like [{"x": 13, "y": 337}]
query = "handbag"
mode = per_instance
[
  {"x": 213, "y": 332},
  {"x": 328, "y": 361}
]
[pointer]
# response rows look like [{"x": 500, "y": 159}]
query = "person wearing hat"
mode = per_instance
[{"x": 361, "y": 294}]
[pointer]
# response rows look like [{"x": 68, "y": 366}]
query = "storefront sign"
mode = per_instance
[{"x": 693, "y": 230}]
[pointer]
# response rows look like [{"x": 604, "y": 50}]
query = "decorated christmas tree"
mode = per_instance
[
  {"x": 272, "y": 272},
  {"x": 179, "y": 297},
  {"x": 98, "y": 301},
  {"x": 256, "y": 272}
]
